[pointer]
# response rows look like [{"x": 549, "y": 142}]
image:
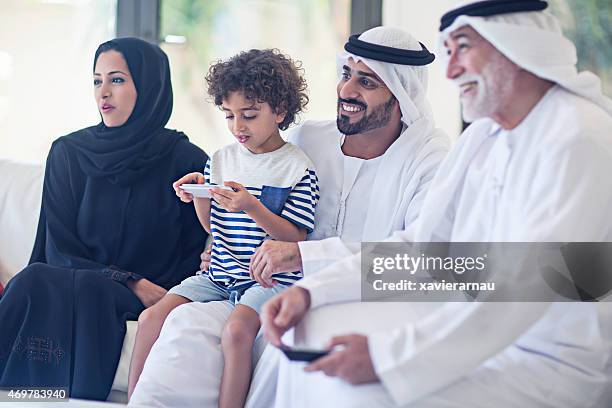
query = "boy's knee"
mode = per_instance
[
  {"x": 237, "y": 334},
  {"x": 151, "y": 317}
]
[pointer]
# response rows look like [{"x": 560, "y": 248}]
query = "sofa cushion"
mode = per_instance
[{"x": 20, "y": 197}]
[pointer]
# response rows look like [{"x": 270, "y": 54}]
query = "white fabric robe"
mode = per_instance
[
  {"x": 185, "y": 364},
  {"x": 546, "y": 180},
  {"x": 392, "y": 202}
]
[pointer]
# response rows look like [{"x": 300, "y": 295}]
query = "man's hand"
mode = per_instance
[
  {"x": 284, "y": 311},
  {"x": 234, "y": 201},
  {"x": 352, "y": 364},
  {"x": 146, "y": 291},
  {"x": 206, "y": 257},
  {"x": 191, "y": 178},
  {"x": 274, "y": 257}
]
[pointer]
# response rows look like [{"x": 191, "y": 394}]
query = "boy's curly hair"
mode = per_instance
[{"x": 262, "y": 76}]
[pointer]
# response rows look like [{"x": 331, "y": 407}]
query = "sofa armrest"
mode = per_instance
[
  {"x": 20, "y": 196},
  {"x": 121, "y": 376}
]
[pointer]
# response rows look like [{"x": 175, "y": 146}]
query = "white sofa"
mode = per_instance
[{"x": 20, "y": 195}]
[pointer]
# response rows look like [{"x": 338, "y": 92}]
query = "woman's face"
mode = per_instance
[{"x": 114, "y": 88}]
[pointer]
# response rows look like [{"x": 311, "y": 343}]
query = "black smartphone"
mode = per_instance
[{"x": 302, "y": 354}]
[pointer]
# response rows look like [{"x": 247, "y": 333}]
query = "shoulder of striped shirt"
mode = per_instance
[
  {"x": 229, "y": 149},
  {"x": 306, "y": 161}
]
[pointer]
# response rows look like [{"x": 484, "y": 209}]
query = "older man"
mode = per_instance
[
  {"x": 533, "y": 167},
  {"x": 374, "y": 162}
]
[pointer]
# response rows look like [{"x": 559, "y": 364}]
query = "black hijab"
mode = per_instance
[{"x": 125, "y": 153}]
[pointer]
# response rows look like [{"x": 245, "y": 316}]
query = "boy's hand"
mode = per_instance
[
  {"x": 191, "y": 178},
  {"x": 234, "y": 201}
]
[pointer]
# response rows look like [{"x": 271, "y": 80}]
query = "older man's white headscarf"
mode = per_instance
[
  {"x": 420, "y": 144},
  {"x": 534, "y": 41}
]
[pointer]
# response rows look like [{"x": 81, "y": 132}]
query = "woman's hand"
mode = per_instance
[
  {"x": 146, "y": 291},
  {"x": 234, "y": 201},
  {"x": 191, "y": 178},
  {"x": 206, "y": 256}
]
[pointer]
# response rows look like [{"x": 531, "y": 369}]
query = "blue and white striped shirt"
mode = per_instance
[{"x": 283, "y": 180}]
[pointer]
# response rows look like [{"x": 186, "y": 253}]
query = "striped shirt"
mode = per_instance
[{"x": 283, "y": 180}]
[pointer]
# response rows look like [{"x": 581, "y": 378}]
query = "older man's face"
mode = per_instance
[
  {"x": 485, "y": 77},
  {"x": 364, "y": 101}
]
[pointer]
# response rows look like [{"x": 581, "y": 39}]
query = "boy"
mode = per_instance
[{"x": 274, "y": 193}]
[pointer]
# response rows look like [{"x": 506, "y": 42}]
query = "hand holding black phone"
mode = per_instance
[{"x": 302, "y": 354}]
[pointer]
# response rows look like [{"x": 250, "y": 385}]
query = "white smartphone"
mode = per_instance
[{"x": 201, "y": 190}]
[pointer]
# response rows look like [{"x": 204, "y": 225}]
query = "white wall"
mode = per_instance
[
  {"x": 47, "y": 50},
  {"x": 46, "y": 58},
  {"x": 422, "y": 19}
]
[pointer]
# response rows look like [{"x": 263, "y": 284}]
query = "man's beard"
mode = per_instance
[
  {"x": 379, "y": 117},
  {"x": 493, "y": 84}
]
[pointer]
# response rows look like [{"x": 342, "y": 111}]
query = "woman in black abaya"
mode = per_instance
[{"x": 112, "y": 236}]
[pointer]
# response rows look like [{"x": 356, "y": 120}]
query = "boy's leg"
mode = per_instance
[
  {"x": 237, "y": 343},
  {"x": 150, "y": 323}
]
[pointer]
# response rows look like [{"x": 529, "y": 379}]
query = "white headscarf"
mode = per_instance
[
  {"x": 534, "y": 41},
  {"x": 407, "y": 83},
  {"x": 420, "y": 144}
]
